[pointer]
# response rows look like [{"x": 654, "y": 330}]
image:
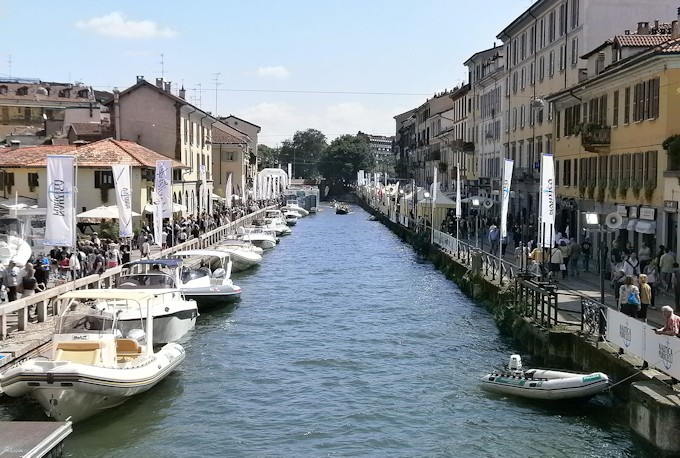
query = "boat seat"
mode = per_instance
[
  {"x": 127, "y": 347},
  {"x": 79, "y": 352}
]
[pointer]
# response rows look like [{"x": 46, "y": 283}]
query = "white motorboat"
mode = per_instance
[
  {"x": 173, "y": 314},
  {"x": 291, "y": 217},
  {"x": 244, "y": 255},
  {"x": 206, "y": 277},
  {"x": 13, "y": 247},
  {"x": 544, "y": 384},
  {"x": 290, "y": 206},
  {"x": 94, "y": 364},
  {"x": 274, "y": 220},
  {"x": 263, "y": 238}
]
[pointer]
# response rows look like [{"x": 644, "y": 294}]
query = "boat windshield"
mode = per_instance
[
  {"x": 149, "y": 280},
  {"x": 85, "y": 319}
]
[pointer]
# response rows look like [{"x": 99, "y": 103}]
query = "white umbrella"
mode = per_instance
[{"x": 110, "y": 212}]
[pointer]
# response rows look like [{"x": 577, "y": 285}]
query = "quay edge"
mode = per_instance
[{"x": 654, "y": 407}]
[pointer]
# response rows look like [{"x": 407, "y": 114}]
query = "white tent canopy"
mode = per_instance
[
  {"x": 103, "y": 212},
  {"x": 176, "y": 208}
]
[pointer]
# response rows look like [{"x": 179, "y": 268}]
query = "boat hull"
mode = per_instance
[
  {"x": 169, "y": 327},
  {"x": 547, "y": 385},
  {"x": 212, "y": 296},
  {"x": 67, "y": 390}
]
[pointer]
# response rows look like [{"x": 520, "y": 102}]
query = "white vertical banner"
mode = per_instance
[
  {"x": 435, "y": 188},
  {"x": 204, "y": 194},
  {"x": 290, "y": 171},
  {"x": 505, "y": 195},
  {"x": 459, "y": 209},
  {"x": 163, "y": 186},
  {"x": 60, "y": 215},
  {"x": 228, "y": 196},
  {"x": 121, "y": 181},
  {"x": 547, "y": 223},
  {"x": 157, "y": 217}
]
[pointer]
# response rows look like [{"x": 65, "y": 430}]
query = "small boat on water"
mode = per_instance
[
  {"x": 244, "y": 255},
  {"x": 341, "y": 209},
  {"x": 208, "y": 280},
  {"x": 291, "y": 218},
  {"x": 258, "y": 236},
  {"x": 293, "y": 207},
  {"x": 544, "y": 384},
  {"x": 94, "y": 363}
]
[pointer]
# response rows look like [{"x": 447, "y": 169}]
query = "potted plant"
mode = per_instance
[
  {"x": 613, "y": 184},
  {"x": 636, "y": 185},
  {"x": 672, "y": 146},
  {"x": 591, "y": 188},
  {"x": 443, "y": 167},
  {"x": 623, "y": 187},
  {"x": 577, "y": 129},
  {"x": 649, "y": 190},
  {"x": 600, "y": 192},
  {"x": 582, "y": 190}
]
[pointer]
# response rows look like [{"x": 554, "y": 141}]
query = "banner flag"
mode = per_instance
[
  {"x": 164, "y": 187},
  {"x": 60, "y": 215},
  {"x": 290, "y": 171},
  {"x": 435, "y": 187},
  {"x": 205, "y": 196},
  {"x": 227, "y": 192},
  {"x": 505, "y": 196},
  {"x": 157, "y": 218},
  {"x": 121, "y": 181},
  {"x": 459, "y": 209},
  {"x": 547, "y": 224}
]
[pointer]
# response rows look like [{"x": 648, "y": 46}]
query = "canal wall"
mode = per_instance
[{"x": 654, "y": 405}]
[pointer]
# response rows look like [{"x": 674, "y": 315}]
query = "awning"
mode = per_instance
[
  {"x": 631, "y": 224},
  {"x": 215, "y": 196},
  {"x": 175, "y": 208},
  {"x": 645, "y": 227}
]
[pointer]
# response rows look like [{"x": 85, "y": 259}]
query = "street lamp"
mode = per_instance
[
  {"x": 592, "y": 219},
  {"x": 476, "y": 204}
]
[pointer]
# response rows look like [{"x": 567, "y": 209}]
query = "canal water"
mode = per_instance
[{"x": 345, "y": 343}]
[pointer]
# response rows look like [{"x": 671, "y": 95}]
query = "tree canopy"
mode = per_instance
[
  {"x": 304, "y": 152},
  {"x": 268, "y": 157},
  {"x": 345, "y": 156}
]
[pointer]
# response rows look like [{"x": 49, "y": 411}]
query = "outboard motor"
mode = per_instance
[
  {"x": 137, "y": 334},
  {"x": 515, "y": 363}
]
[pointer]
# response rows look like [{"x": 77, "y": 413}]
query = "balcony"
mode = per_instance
[{"x": 596, "y": 139}]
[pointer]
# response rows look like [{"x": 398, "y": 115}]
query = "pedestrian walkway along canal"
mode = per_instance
[{"x": 344, "y": 343}]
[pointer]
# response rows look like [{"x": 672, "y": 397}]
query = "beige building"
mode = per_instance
[
  {"x": 153, "y": 117},
  {"x": 249, "y": 132},
  {"x": 231, "y": 156}
]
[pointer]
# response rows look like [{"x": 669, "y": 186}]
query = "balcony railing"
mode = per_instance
[{"x": 596, "y": 139}]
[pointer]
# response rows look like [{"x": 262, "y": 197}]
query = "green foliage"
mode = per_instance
[
  {"x": 672, "y": 145},
  {"x": 108, "y": 229},
  {"x": 613, "y": 185},
  {"x": 269, "y": 157},
  {"x": 343, "y": 158},
  {"x": 636, "y": 185},
  {"x": 304, "y": 152}
]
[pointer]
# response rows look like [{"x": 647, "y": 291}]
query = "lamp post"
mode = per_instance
[{"x": 476, "y": 204}]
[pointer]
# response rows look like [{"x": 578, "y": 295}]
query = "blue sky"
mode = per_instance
[{"x": 354, "y": 47}]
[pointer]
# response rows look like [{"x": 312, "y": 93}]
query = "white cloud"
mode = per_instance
[
  {"x": 278, "y": 71},
  {"x": 117, "y": 25},
  {"x": 280, "y": 121}
]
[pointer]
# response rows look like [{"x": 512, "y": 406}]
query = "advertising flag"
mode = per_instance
[
  {"x": 547, "y": 226},
  {"x": 227, "y": 192},
  {"x": 164, "y": 186},
  {"x": 459, "y": 210},
  {"x": 505, "y": 196},
  {"x": 121, "y": 181},
  {"x": 157, "y": 217},
  {"x": 60, "y": 215}
]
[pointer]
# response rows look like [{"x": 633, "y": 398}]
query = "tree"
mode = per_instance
[
  {"x": 268, "y": 157},
  {"x": 342, "y": 160},
  {"x": 303, "y": 151}
]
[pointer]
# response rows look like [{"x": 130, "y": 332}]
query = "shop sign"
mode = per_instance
[
  {"x": 648, "y": 213},
  {"x": 670, "y": 205},
  {"x": 632, "y": 212}
]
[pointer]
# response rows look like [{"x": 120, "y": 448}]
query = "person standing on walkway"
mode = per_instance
[
  {"x": 575, "y": 256},
  {"x": 556, "y": 262},
  {"x": 644, "y": 256},
  {"x": 629, "y": 297},
  {"x": 10, "y": 278},
  {"x": 145, "y": 249},
  {"x": 675, "y": 283},
  {"x": 631, "y": 266},
  {"x": 617, "y": 281},
  {"x": 566, "y": 255},
  {"x": 672, "y": 322},
  {"x": 652, "y": 272},
  {"x": 586, "y": 251},
  {"x": 666, "y": 268},
  {"x": 645, "y": 297}
]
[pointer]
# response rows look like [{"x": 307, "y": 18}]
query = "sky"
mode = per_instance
[{"x": 338, "y": 66}]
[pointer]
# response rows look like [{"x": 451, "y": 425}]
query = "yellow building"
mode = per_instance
[{"x": 609, "y": 133}]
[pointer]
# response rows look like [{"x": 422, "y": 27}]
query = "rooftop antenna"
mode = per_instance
[
  {"x": 199, "y": 95},
  {"x": 217, "y": 78},
  {"x": 162, "y": 62},
  {"x": 9, "y": 65}
]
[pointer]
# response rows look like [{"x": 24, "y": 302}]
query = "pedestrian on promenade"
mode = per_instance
[
  {"x": 10, "y": 278},
  {"x": 631, "y": 266},
  {"x": 616, "y": 283},
  {"x": 586, "y": 251},
  {"x": 575, "y": 256},
  {"x": 645, "y": 297},
  {"x": 504, "y": 244},
  {"x": 566, "y": 255},
  {"x": 145, "y": 249},
  {"x": 644, "y": 256},
  {"x": 675, "y": 283},
  {"x": 556, "y": 262},
  {"x": 629, "y": 297},
  {"x": 666, "y": 268},
  {"x": 671, "y": 324},
  {"x": 616, "y": 256},
  {"x": 652, "y": 272}
]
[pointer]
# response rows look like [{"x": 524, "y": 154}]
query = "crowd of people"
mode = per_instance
[{"x": 94, "y": 254}]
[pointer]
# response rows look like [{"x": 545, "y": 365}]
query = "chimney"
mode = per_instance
[
  {"x": 168, "y": 86},
  {"x": 675, "y": 30},
  {"x": 14, "y": 144},
  {"x": 159, "y": 83},
  {"x": 140, "y": 78},
  {"x": 643, "y": 28},
  {"x": 182, "y": 93},
  {"x": 626, "y": 32}
]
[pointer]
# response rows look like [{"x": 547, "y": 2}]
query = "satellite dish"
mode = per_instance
[
  {"x": 488, "y": 203},
  {"x": 613, "y": 221}
]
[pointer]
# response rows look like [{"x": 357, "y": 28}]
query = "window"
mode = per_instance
[
  {"x": 103, "y": 179},
  {"x": 602, "y": 171},
  {"x": 576, "y": 170},
  {"x": 583, "y": 172},
  {"x": 3, "y": 89},
  {"x": 557, "y": 174},
  {"x": 532, "y": 73},
  {"x": 614, "y": 168},
  {"x": 186, "y": 130},
  {"x": 625, "y": 170},
  {"x": 557, "y": 124},
  {"x": 523, "y": 79},
  {"x": 532, "y": 40},
  {"x": 574, "y": 51},
  {"x": 566, "y": 177},
  {"x": 514, "y": 52},
  {"x": 638, "y": 160},
  {"x": 651, "y": 164},
  {"x": 514, "y": 82},
  {"x": 574, "y": 14},
  {"x": 32, "y": 181},
  {"x": 507, "y": 86},
  {"x": 563, "y": 57},
  {"x": 626, "y": 106},
  {"x": 551, "y": 27},
  {"x": 514, "y": 119},
  {"x": 551, "y": 64},
  {"x": 521, "y": 116},
  {"x": 22, "y": 90},
  {"x": 66, "y": 93},
  {"x": 541, "y": 68},
  {"x": 563, "y": 19},
  {"x": 523, "y": 47},
  {"x": 615, "y": 118},
  {"x": 646, "y": 100},
  {"x": 542, "y": 33}
]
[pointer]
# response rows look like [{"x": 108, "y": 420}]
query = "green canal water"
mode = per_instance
[{"x": 345, "y": 343}]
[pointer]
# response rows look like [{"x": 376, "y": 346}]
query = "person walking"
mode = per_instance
[
  {"x": 671, "y": 322},
  {"x": 666, "y": 268},
  {"x": 629, "y": 297},
  {"x": 575, "y": 256},
  {"x": 631, "y": 266},
  {"x": 556, "y": 262},
  {"x": 617, "y": 281},
  {"x": 675, "y": 284},
  {"x": 566, "y": 254},
  {"x": 652, "y": 272},
  {"x": 645, "y": 297},
  {"x": 586, "y": 251},
  {"x": 644, "y": 256},
  {"x": 10, "y": 278}
]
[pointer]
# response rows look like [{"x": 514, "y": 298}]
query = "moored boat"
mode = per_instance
[
  {"x": 244, "y": 255},
  {"x": 544, "y": 384},
  {"x": 208, "y": 280},
  {"x": 95, "y": 364},
  {"x": 341, "y": 209}
]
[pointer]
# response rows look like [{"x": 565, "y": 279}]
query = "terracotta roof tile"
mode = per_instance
[
  {"x": 103, "y": 153},
  {"x": 87, "y": 128},
  {"x": 646, "y": 41},
  {"x": 219, "y": 136},
  {"x": 60, "y": 141}
]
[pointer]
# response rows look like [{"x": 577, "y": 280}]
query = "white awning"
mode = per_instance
[
  {"x": 631, "y": 224},
  {"x": 645, "y": 227},
  {"x": 175, "y": 208}
]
